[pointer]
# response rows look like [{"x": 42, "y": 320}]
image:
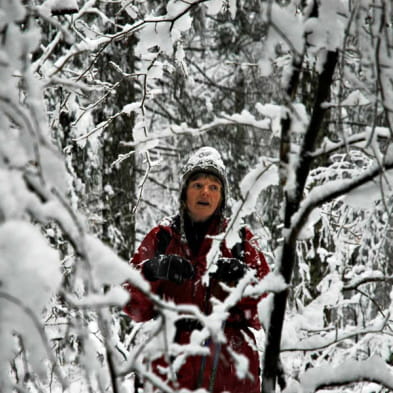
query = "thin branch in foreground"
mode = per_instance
[{"x": 29, "y": 312}]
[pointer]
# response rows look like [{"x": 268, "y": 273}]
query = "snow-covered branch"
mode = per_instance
[
  {"x": 351, "y": 371},
  {"x": 325, "y": 193},
  {"x": 244, "y": 118},
  {"x": 319, "y": 342},
  {"x": 362, "y": 138},
  {"x": 367, "y": 278}
]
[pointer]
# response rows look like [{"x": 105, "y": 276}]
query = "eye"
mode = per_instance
[
  {"x": 214, "y": 187},
  {"x": 197, "y": 186}
]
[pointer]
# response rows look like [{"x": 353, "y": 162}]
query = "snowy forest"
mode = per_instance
[{"x": 101, "y": 102}]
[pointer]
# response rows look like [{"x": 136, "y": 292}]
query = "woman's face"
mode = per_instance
[{"x": 203, "y": 197}]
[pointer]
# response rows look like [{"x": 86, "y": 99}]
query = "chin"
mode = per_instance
[{"x": 200, "y": 218}]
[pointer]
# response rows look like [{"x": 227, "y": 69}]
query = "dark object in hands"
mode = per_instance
[
  {"x": 168, "y": 267},
  {"x": 229, "y": 270}
]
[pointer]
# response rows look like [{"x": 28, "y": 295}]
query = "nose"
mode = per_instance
[{"x": 205, "y": 190}]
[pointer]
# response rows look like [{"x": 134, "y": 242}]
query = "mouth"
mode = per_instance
[{"x": 203, "y": 203}]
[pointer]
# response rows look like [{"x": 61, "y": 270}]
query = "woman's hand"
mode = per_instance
[
  {"x": 168, "y": 267},
  {"x": 229, "y": 270}
]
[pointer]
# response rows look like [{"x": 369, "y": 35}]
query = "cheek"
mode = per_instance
[
  {"x": 219, "y": 200},
  {"x": 190, "y": 196}
]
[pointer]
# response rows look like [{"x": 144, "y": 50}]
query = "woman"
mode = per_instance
[{"x": 173, "y": 258}]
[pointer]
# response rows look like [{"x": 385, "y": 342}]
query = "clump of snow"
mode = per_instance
[
  {"x": 11, "y": 11},
  {"x": 132, "y": 107},
  {"x": 274, "y": 113},
  {"x": 299, "y": 118},
  {"x": 213, "y": 7},
  {"x": 116, "y": 296},
  {"x": 259, "y": 178},
  {"x": 373, "y": 369},
  {"x": 11, "y": 149},
  {"x": 307, "y": 231},
  {"x": 164, "y": 31},
  {"x": 245, "y": 117},
  {"x": 355, "y": 98},
  {"x": 272, "y": 282},
  {"x": 30, "y": 275},
  {"x": 108, "y": 268},
  {"x": 53, "y": 168},
  {"x": 365, "y": 196},
  {"x": 241, "y": 363},
  {"x": 327, "y": 31},
  {"x": 265, "y": 307},
  {"x": 283, "y": 21}
]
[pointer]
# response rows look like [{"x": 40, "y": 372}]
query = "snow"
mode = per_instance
[
  {"x": 241, "y": 363},
  {"x": 34, "y": 185},
  {"x": 273, "y": 112},
  {"x": 265, "y": 307},
  {"x": 116, "y": 296},
  {"x": 245, "y": 117},
  {"x": 53, "y": 168},
  {"x": 327, "y": 31},
  {"x": 132, "y": 107},
  {"x": 11, "y": 11},
  {"x": 286, "y": 32},
  {"x": 164, "y": 31},
  {"x": 307, "y": 231},
  {"x": 146, "y": 141},
  {"x": 355, "y": 98},
  {"x": 372, "y": 369},
  {"x": 272, "y": 282},
  {"x": 365, "y": 196},
  {"x": 213, "y": 7},
  {"x": 108, "y": 268},
  {"x": 259, "y": 178},
  {"x": 182, "y": 23},
  {"x": 30, "y": 275}
]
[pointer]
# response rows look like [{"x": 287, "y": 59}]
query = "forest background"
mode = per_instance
[{"x": 101, "y": 102}]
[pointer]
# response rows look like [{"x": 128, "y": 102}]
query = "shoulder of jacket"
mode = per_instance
[
  {"x": 170, "y": 223},
  {"x": 166, "y": 221}
]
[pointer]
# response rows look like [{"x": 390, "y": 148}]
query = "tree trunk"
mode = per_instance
[{"x": 118, "y": 181}]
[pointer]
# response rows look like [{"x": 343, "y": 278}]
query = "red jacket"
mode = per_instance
[{"x": 242, "y": 316}]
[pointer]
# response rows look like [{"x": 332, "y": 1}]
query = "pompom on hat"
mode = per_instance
[{"x": 205, "y": 160}]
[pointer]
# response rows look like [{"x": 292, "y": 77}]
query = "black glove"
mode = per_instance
[
  {"x": 229, "y": 270},
  {"x": 168, "y": 267}
]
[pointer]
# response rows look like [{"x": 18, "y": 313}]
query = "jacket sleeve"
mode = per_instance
[
  {"x": 139, "y": 307},
  {"x": 246, "y": 310}
]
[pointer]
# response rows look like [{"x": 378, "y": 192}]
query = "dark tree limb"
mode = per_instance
[{"x": 292, "y": 200}]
